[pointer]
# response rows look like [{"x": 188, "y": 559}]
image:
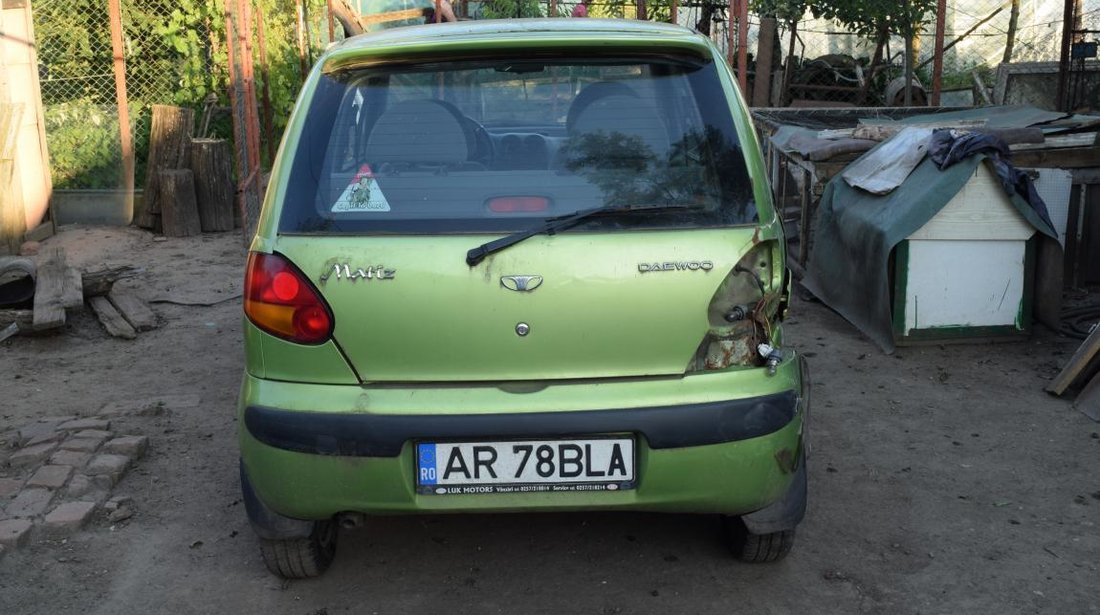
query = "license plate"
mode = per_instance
[{"x": 525, "y": 466}]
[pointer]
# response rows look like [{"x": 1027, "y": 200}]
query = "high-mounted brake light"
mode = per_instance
[
  {"x": 279, "y": 299},
  {"x": 518, "y": 204}
]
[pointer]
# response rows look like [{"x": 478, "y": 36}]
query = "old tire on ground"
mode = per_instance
[
  {"x": 756, "y": 548},
  {"x": 301, "y": 558}
]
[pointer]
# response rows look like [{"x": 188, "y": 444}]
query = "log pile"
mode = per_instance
[
  {"x": 36, "y": 297},
  {"x": 189, "y": 182}
]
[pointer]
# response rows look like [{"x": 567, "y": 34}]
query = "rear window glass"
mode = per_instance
[{"x": 500, "y": 145}]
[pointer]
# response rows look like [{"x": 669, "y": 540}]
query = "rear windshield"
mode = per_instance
[{"x": 501, "y": 145}]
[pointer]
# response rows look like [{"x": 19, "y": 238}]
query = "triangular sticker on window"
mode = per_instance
[{"x": 362, "y": 194}]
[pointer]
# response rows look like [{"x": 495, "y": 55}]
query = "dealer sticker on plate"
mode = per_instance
[{"x": 525, "y": 466}]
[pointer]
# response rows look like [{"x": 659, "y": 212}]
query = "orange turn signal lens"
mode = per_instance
[{"x": 280, "y": 300}]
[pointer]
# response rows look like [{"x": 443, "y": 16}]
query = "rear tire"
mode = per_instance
[
  {"x": 301, "y": 558},
  {"x": 756, "y": 548}
]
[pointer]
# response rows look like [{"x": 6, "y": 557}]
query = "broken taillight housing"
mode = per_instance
[
  {"x": 742, "y": 312},
  {"x": 279, "y": 299}
]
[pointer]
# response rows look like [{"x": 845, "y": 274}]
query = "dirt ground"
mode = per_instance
[{"x": 943, "y": 480}]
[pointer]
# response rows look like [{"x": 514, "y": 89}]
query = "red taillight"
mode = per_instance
[
  {"x": 518, "y": 204},
  {"x": 279, "y": 299}
]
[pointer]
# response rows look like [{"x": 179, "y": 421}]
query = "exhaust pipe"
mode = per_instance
[{"x": 352, "y": 520}]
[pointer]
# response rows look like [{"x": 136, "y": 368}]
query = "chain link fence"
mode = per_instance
[
  {"x": 175, "y": 54},
  {"x": 78, "y": 93}
]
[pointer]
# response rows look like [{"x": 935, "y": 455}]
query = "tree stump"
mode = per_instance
[
  {"x": 169, "y": 148},
  {"x": 179, "y": 212},
  {"x": 212, "y": 166}
]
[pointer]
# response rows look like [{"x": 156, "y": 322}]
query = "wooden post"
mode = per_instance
[
  {"x": 299, "y": 30},
  {"x": 212, "y": 165},
  {"x": 169, "y": 148},
  {"x": 730, "y": 33},
  {"x": 13, "y": 217},
  {"x": 13, "y": 221},
  {"x": 331, "y": 21},
  {"x": 1062, "y": 100},
  {"x": 673, "y": 9},
  {"x": 937, "y": 64},
  {"x": 642, "y": 13},
  {"x": 243, "y": 98},
  {"x": 908, "y": 98},
  {"x": 179, "y": 210},
  {"x": 765, "y": 49},
  {"x": 265, "y": 76},
  {"x": 788, "y": 66},
  {"x": 126, "y": 139},
  {"x": 1010, "y": 36},
  {"x": 804, "y": 217},
  {"x": 743, "y": 46},
  {"x": 244, "y": 37}
]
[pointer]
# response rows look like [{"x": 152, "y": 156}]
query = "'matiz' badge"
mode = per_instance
[{"x": 362, "y": 194}]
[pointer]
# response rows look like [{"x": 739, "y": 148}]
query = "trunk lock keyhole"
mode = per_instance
[{"x": 522, "y": 329}]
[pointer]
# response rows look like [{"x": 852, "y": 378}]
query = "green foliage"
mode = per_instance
[
  {"x": 84, "y": 146},
  {"x": 175, "y": 52},
  {"x": 506, "y": 9},
  {"x": 790, "y": 11},
  {"x": 873, "y": 17}
]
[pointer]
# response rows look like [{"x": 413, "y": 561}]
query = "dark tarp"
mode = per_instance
[{"x": 855, "y": 232}]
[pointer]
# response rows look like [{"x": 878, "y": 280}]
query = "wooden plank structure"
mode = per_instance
[
  {"x": 115, "y": 324},
  {"x": 179, "y": 211},
  {"x": 212, "y": 166},
  {"x": 13, "y": 221},
  {"x": 169, "y": 148},
  {"x": 72, "y": 291},
  {"x": 133, "y": 309},
  {"x": 49, "y": 292},
  {"x": 1087, "y": 354},
  {"x": 989, "y": 298}
]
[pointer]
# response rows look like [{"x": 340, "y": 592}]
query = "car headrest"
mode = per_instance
[
  {"x": 419, "y": 132},
  {"x": 631, "y": 115},
  {"x": 590, "y": 94}
]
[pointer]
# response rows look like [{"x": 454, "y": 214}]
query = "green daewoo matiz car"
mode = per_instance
[{"x": 519, "y": 266}]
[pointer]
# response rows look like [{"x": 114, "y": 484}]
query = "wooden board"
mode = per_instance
[
  {"x": 169, "y": 148},
  {"x": 979, "y": 211},
  {"x": 72, "y": 295},
  {"x": 179, "y": 212},
  {"x": 115, "y": 324},
  {"x": 986, "y": 292},
  {"x": 1076, "y": 365},
  {"x": 1067, "y": 158},
  {"x": 100, "y": 281},
  {"x": 133, "y": 309},
  {"x": 49, "y": 306},
  {"x": 212, "y": 166}
]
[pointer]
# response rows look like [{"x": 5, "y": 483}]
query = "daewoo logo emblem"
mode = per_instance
[{"x": 521, "y": 283}]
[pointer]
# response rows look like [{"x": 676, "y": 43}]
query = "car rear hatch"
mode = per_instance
[{"x": 589, "y": 309}]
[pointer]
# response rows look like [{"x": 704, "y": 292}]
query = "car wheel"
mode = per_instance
[
  {"x": 756, "y": 548},
  {"x": 301, "y": 558}
]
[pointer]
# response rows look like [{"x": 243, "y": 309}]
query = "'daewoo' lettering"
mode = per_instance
[{"x": 676, "y": 266}]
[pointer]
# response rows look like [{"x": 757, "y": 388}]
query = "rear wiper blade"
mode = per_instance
[{"x": 553, "y": 225}]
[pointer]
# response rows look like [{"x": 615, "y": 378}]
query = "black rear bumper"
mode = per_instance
[{"x": 383, "y": 435}]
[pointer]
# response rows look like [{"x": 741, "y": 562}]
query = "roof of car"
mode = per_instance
[{"x": 508, "y": 33}]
